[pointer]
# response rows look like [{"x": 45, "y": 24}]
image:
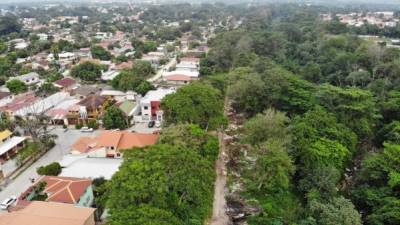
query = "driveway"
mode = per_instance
[
  {"x": 62, "y": 147},
  {"x": 143, "y": 128}
]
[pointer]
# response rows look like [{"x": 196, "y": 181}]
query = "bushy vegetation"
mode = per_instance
[
  {"x": 167, "y": 183},
  {"x": 320, "y": 109},
  {"x": 53, "y": 169}
]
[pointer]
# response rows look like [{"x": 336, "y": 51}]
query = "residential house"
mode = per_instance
[
  {"x": 9, "y": 147},
  {"x": 177, "y": 79},
  {"x": 20, "y": 101},
  {"x": 191, "y": 74},
  {"x": 85, "y": 90},
  {"x": 90, "y": 108},
  {"x": 29, "y": 78},
  {"x": 5, "y": 98},
  {"x": 150, "y": 105},
  {"x": 65, "y": 84},
  {"x": 59, "y": 113},
  {"x": 112, "y": 143},
  {"x": 119, "y": 96},
  {"x": 82, "y": 166},
  {"x": 70, "y": 190},
  {"x": 49, "y": 213},
  {"x": 42, "y": 105}
]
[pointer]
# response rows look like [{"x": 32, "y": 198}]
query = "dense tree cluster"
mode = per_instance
[
  {"x": 88, "y": 71},
  {"x": 195, "y": 103},
  {"x": 135, "y": 79},
  {"x": 167, "y": 183},
  {"x": 318, "y": 101}
]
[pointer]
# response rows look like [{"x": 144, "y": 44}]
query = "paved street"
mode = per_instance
[
  {"x": 63, "y": 142},
  {"x": 161, "y": 71},
  {"x": 143, "y": 128}
]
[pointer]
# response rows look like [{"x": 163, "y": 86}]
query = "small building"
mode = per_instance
[
  {"x": 49, "y": 213},
  {"x": 29, "y": 78},
  {"x": 65, "y": 84},
  {"x": 84, "y": 167},
  {"x": 178, "y": 79},
  {"x": 70, "y": 190},
  {"x": 112, "y": 143},
  {"x": 9, "y": 147},
  {"x": 150, "y": 105},
  {"x": 90, "y": 108}
]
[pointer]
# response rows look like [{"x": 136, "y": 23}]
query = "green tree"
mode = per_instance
[
  {"x": 195, "y": 103},
  {"x": 170, "y": 178},
  {"x": 9, "y": 24},
  {"x": 87, "y": 71},
  {"x": 191, "y": 136},
  {"x": 114, "y": 118},
  {"x": 268, "y": 125},
  {"x": 337, "y": 211},
  {"x": 16, "y": 86},
  {"x": 53, "y": 169},
  {"x": 99, "y": 52}
]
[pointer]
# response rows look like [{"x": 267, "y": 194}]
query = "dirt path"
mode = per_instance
[{"x": 219, "y": 206}]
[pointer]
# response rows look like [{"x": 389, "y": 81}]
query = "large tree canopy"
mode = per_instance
[{"x": 195, "y": 103}]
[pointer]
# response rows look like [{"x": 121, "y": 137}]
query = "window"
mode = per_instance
[{"x": 145, "y": 107}]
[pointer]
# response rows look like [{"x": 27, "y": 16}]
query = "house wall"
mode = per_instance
[
  {"x": 90, "y": 220},
  {"x": 146, "y": 111},
  {"x": 86, "y": 200},
  {"x": 101, "y": 153},
  {"x": 155, "y": 106}
]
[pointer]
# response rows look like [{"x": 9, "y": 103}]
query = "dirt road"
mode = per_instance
[{"x": 219, "y": 206}]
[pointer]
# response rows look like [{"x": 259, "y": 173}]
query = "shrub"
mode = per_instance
[
  {"x": 78, "y": 126},
  {"x": 53, "y": 169},
  {"x": 93, "y": 124}
]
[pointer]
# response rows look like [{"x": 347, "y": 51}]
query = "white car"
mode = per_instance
[
  {"x": 86, "y": 129},
  {"x": 8, "y": 202},
  {"x": 158, "y": 124}
]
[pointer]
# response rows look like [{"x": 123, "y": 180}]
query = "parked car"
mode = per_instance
[
  {"x": 86, "y": 129},
  {"x": 158, "y": 124},
  {"x": 8, "y": 202},
  {"x": 151, "y": 124}
]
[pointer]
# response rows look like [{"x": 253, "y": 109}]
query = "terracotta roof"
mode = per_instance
[
  {"x": 84, "y": 144},
  {"x": 190, "y": 59},
  {"x": 178, "y": 77},
  {"x": 117, "y": 139},
  {"x": 65, "y": 189},
  {"x": 49, "y": 213},
  {"x": 65, "y": 82},
  {"x": 130, "y": 140},
  {"x": 92, "y": 102}
]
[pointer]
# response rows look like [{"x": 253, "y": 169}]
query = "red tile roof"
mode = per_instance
[
  {"x": 178, "y": 77},
  {"x": 119, "y": 139},
  {"x": 65, "y": 82},
  {"x": 65, "y": 189}
]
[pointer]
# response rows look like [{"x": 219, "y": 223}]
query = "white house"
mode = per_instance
[
  {"x": 28, "y": 79},
  {"x": 109, "y": 75},
  {"x": 150, "y": 105}
]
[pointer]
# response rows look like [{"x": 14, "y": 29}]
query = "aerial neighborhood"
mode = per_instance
[
  {"x": 84, "y": 93},
  {"x": 202, "y": 112}
]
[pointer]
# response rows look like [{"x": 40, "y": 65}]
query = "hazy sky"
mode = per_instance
[{"x": 330, "y": 1}]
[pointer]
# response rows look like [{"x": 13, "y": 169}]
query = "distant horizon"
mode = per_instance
[{"x": 198, "y": 1}]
